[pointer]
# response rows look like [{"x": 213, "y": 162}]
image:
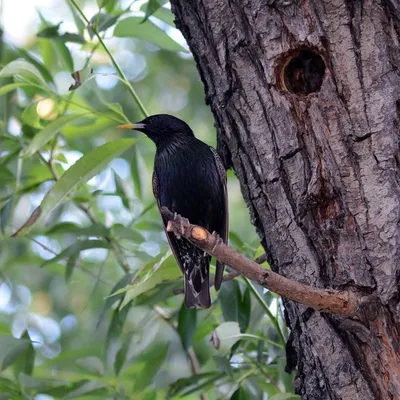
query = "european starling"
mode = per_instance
[{"x": 190, "y": 179}]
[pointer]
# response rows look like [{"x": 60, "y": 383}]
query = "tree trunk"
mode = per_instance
[{"x": 306, "y": 98}]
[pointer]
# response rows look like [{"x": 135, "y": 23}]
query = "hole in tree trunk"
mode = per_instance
[{"x": 302, "y": 72}]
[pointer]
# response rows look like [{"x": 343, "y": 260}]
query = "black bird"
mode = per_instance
[{"x": 190, "y": 179}]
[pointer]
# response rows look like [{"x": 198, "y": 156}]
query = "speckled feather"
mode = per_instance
[{"x": 190, "y": 180}]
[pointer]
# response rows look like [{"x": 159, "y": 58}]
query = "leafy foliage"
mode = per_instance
[{"x": 87, "y": 284}]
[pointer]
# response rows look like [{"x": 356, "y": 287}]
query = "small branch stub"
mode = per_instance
[{"x": 199, "y": 233}]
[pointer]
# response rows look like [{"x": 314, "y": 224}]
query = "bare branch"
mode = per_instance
[{"x": 334, "y": 301}]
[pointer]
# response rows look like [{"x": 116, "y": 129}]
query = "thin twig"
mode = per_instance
[
  {"x": 261, "y": 259},
  {"x": 194, "y": 362},
  {"x": 334, "y": 301},
  {"x": 114, "y": 62}
]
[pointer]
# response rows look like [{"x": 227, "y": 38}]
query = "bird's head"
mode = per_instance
[{"x": 161, "y": 128}]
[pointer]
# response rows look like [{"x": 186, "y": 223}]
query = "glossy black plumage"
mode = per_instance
[{"x": 189, "y": 179}]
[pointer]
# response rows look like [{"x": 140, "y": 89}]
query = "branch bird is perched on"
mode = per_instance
[{"x": 189, "y": 179}]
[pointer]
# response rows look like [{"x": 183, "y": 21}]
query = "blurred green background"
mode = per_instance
[{"x": 63, "y": 334}]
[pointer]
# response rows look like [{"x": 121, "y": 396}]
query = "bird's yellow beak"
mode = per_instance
[{"x": 131, "y": 126}]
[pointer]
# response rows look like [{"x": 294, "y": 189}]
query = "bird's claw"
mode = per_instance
[
  {"x": 182, "y": 223},
  {"x": 218, "y": 239}
]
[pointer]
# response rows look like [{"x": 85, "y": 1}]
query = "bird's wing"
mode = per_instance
[
  {"x": 224, "y": 228},
  {"x": 197, "y": 287},
  {"x": 170, "y": 236}
]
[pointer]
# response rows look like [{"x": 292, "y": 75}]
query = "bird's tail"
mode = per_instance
[{"x": 197, "y": 285}]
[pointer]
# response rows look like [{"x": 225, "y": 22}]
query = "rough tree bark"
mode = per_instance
[{"x": 306, "y": 99}]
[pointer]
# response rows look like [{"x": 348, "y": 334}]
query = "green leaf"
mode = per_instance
[
  {"x": 162, "y": 13},
  {"x": 64, "y": 55},
  {"x": 244, "y": 309},
  {"x": 165, "y": 15},
  {"x": 241, "y": 394},
  {"x": 153, "y": 360},
  {"x": 258, "y": 253},
  {"x": 12, "y": 86},
  {"x": 225, "y": 336},
  {"x": 47, "y": 54},
  {"x": 10, "y": 349},
  {"x": 90, "y": 129},
  {"x": 30, "y": 116},
  {"x": 165, "y": 270},
  {"x": 24, "y": 69},
  {"x": 235, "y": 307},
  {"x": 76, "y": 248},
  {"x": 96, "y": 229},
  {"x": 84, "y": 169},
  {"x": 116, "y": 326},
  {"x": 149, "y": 394},
  {"x": 9, "y": 390},
  {"x": 101, "y": 22},
  {"x": 110, "y": 5},
  {"x": 260, "y": 351},
  {"x": 71, "y": 38},
  {"x": 138, "y": 170},
  {"x": 159, "y": 293},
  {"x": 228, "y": 297},
  {"x": 224, "y": 365},
  {"x": 6, "y": 213},
  {"x": 132, "y": 27},
  {"x": 38, "y": 64},
  {"x": 49, "y": 31},
  {"x": 116, "y": 109},
  {"x": 149, "y": 226},
  {"x": 6, "y": 176},
  {"x": 205, "y": 328},
  {"x": 121, "y": 356},
  {"x": 103, "y": 3},
  {"x": 112, "y": 299},
  {"x": 122, "y": 192},
  {"x": 7, "y": 158},
  {"x": 192, "y": 382},
  {"x": 77, "y": 18},
  {"x": 92, "y": 364},
  {"x": 284, "y": 396},
  {"x": 269, "y": 388},
  {"x": 128, "y": 233},
  {"x": 71, "y": 264},
  {"x": 151, "y": 7},
  {"x": 237, "y": 242},
  {"x": 26, "y": 361},
  {"x": 48, "y": 133},
  {"x": 85, "y": 388},
  {"x": 187, "y": 320},
  {"x": 41, "y": 385}
]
